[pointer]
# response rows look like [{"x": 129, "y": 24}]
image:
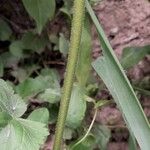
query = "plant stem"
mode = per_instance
[
  {"x": 75, "y": 39},
  {"x": 88, "y": 131}
]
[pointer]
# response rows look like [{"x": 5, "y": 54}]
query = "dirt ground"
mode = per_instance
[{"x": 126, "y": 23}]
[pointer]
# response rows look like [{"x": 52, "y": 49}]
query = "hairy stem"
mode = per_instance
[{"x": 75, "y": 39}]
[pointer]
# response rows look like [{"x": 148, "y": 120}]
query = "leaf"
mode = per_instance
[
  {"x": 53, "y": 92},
  {"x": 87, "y": 144},
  {"x": 16, "y": 49},
  {"x": 50, "y": 95},
  {"x": 4, "y": 119},
  {"x": 10, "y": 102},
  {"x": 32, "y": 86},
  {"x": 53, "y": 114},
  {"x": 132, "y": 55},
  {"x": 9, "y": 60},
  {"x": 101, "y": 103},
  {"x": 63, "y": 45},
  {"x": 84, "y": 59},
  {"x": 40, "y": 10},
  {"x": 102, "y": 135},
  {"x": 77, "y": 107},
  {"x": 21, "y": 134},
  {"x": 132, "y": 142},
  {"x": 5, "y": 31},
  {"x": 52, "y": 73},
  {"x": 111, "y": 72},
  {"x": 67, "y": 134},
  {"x": 20, "y": 74},
  {"x": 40, "y": 115},
  {"x": 33, "y": 42}
]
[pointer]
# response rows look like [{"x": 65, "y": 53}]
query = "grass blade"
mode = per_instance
[{"x": 112, "y": 73}]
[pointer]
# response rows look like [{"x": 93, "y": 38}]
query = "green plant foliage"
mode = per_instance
[
  {"x": 16, "y": 48},
  {"x": 132, "y": 142},
  {"x": 22, "y": 134},
  {"x": 32, "y": 86},
  {"x": 10, "y": 102},
  {"x": 87, "y": 144},
  {"x": 77, "y": 107},
  {"x": 32, "y": 41},
  {"x": 40, "y": 115},
  {"x": 102, "y": 135},
  {"x": 17, "y": 133},
  {"x": 84, "y": 59},
  {"x": 68, "y": 133},
  {"x": 40, "y": 10},
  {"x": 5, "y": 31},
  {"x": 132, "y": 55},
  {"x": 8, "y": 59},
  {"x": 50, "y": 95},
  {"x": 110, "y": 70},
  {"x": 63, "y": 45},
  {"x": 4, "y": 119}
]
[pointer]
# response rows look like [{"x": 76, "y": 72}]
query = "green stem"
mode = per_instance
[
  {"x": 79, "y": 7},
  {"x": 88, "y": 131}
]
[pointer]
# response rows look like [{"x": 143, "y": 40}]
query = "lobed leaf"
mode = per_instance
[
  {"x": 10, "y": 102},
  {"x": 21, "y": 134},
  {"x": 40, "y": 115}
]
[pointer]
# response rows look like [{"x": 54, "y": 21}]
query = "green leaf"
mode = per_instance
[
  {"x": 53, "y": 114},
  {"x": 87, "y": 144},
  {"x": 50, "y": 95},
  {"x": 77, "y": 107},
  {"x": 10, "y": 102},
  {"x": 31, "y": 87},
  {"x": 16, "y": 48},
  {"x": 52, "y": 73},
  {"x": 8, "y": 59},
  {"x": 63, "y": 45},
  {"x": 40, "y": 10},
  {"x": 102, "y": 135},
  {"x": 33, "y": 42},
  {"x": 111, "y": 72},
  {"x": 21, "y": 134},
  {"x": 84, "y": 60},
  {"x": 5, "y": 31},
  {"x": 132, "y": 142},
  {"x": 101, "y": 103},
  {"x": 40, "y": 115},
  {"x": 132, "y": 55},
  {"x": 67, "y": 134},
  {"x": 20, "y": 74},
  {"x": 4, "y": 119}
]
